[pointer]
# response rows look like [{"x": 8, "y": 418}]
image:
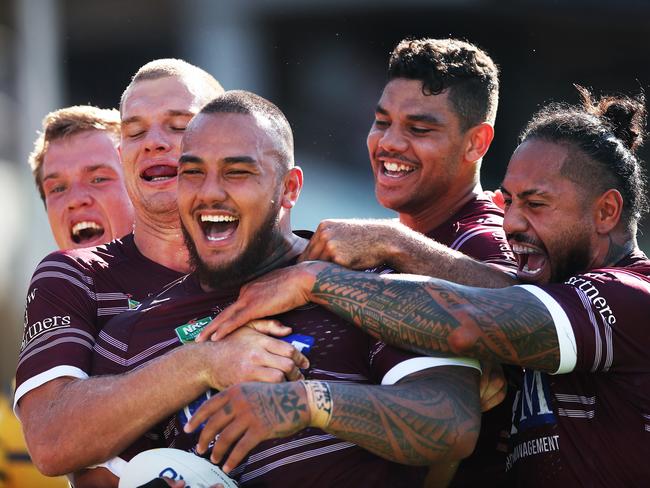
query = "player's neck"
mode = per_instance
[
  {"x": 619, "y": 245},
  {"x": 161, "y": 240},
  {"x": 439, "y": 212},
  {"x": 286, "y": 247}
]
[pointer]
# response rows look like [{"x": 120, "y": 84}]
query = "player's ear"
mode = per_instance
[
  {"x": 292, "y": 184},
  {"x": 608, "y": 209},
  {"x": 478, "y": 140}
]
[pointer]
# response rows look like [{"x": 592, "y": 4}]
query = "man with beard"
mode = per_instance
[
  {"x": 574, "y": 193},
  {"x": 77, "y": 170},
  {"x": 237, "y": 185},
  {"x": 72, "y": 421}
]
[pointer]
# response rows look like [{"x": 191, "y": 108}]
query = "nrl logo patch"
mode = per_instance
[{"x": 188, "y": 332}]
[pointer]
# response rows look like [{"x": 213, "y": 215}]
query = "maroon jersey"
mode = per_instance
[
  {"x": 589, "y": 425},
  {"x": 337, "y": 352},
  {"x": 476, "y": 230},
  {"x": 72, "y": 295}
]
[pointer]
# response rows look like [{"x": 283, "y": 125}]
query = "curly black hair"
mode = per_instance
[
  {"x": 603, "y": 135},
  {"x": 469, "y": 74}
]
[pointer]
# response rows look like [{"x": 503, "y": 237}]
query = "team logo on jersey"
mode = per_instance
[
  {"x": 133, "y": 304},
  {"x": 301, "y": 342},
  {"x": 189, "y": 331},
  {"x": 533, "y": 405}
]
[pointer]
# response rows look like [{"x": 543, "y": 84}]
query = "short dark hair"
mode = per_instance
[
  {"x": 603, "y": 136},
  {"x": 467, "y": 71},
  {"x": 247, "y": 103}
]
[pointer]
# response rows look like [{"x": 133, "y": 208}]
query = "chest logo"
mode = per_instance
[{"x": 189, "y": 331}]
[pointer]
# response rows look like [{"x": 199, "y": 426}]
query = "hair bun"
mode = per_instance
[{"x": 625, "y": 116}]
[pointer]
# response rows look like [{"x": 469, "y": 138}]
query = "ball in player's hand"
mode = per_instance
[{"x": 176, "y": 465}]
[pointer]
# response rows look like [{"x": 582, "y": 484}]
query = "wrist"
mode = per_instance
[{"x": 319, "y": 403}]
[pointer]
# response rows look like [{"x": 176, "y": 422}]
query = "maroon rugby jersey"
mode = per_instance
[
  {"x": 590, "y": 425},
  {"x": 340, "y": 352},
  {"x": 476, "y": 230},
  {"x": 72, "y": 295}
]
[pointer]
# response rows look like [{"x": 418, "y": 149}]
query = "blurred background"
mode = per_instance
[{"x": 322, "y": 62}]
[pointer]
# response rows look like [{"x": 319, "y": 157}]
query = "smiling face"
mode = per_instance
[
  {"x": 229, "y": 194},
  {"x": 415, "y": 146},
  {"x": 154, "y": 116},
  {"x": 85, "y": 196},
  {"x": 548, "y": 218}
]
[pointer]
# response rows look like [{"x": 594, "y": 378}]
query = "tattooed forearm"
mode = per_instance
[
  {"x": 507, "y": 325},
  {"x": 433, "y": 418},
  {"x": 278, "y": 407}
]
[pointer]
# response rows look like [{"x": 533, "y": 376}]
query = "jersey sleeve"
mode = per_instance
[
  {"x": 59, "y": 324},
  {"x": 601, "y": 320},
  {"x": 389, "y": 365},
  {"x": 483, "y": 238}
]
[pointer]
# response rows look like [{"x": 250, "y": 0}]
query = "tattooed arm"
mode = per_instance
[
  {"x": 363, "y": 244},
  {"x": 506, "y": 325},
  {"x": 426, "y": 315},
  {"x": 428, "y": 417}
]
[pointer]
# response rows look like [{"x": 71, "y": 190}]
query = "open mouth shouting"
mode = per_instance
[
  {"x": 531, "y": 260},
  {"x": 86, "y": 232},
  {"x": 218, "y": 227},
  {"x": 159, "y": 173}
]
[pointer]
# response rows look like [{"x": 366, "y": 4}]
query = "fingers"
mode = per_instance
[
  {"x": 207, "y": 409},
  {"x": 246, "y": 443},
  {"x": 230, "y": 319},
  {"x": 314, "y": 250},
  {"x": 281, "y": 348},
  {"x": 270, "y": 327},
  {"x": 227, "y": 438},
  {"x": 493, "y": 386}
]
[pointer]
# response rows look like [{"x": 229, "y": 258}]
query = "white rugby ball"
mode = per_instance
[{"x": 175, "y": 464}]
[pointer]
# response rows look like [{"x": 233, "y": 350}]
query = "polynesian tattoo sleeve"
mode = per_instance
[{"x": 506, "y": 325}]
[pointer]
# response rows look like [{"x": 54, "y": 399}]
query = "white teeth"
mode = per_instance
[
  {"x": 519, "y": 249},
  {"x": 530, "y": 271},
  {"x": 215, "y": 239},
  {"x": 218, "y": 218},
  {"x": 397, "y": 167},
  {"x": 76, "y": 228}
]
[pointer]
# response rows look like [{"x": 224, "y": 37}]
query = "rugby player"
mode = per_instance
[
  {"x": 574, "y": 193},
  {"x": 72, "y": 421},
  {"x": 237, "y": 186},
  {"x": 77, "y": 170},
  {"x": 433, "y": 125}
]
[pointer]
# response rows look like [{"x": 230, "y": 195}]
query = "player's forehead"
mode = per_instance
[
  {"x": 404, "y": 97},
  {"x": 221, "y": 135},
  {"x": 81, "y": 151},
  {"x": 536, "y": 166},
  {"x": 168, "y": 96}
]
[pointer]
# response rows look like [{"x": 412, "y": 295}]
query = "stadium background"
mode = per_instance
[{"x": 323, "y": 62}]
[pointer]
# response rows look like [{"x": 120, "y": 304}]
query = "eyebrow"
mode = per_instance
[
  {"x": 190, "y": 158},
  {"x": 169, "y": 113},
  {"x": 87, "y": 169},
  {"x": 426, "y": 118},
  {"x": 527, "y": 193}
]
